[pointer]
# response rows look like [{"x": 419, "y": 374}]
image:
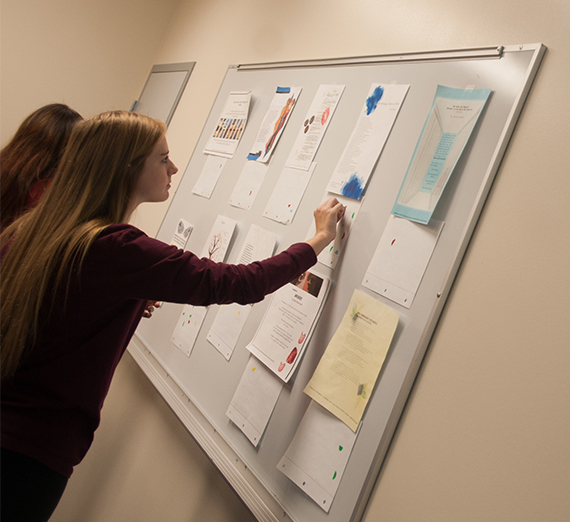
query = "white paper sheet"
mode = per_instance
[
  {"x": 248, "y": 184},
  {"x": 191, "y": 318},
  {"x": 218, "y": 242},
  {"x": 284, "y": 202},
  {"x": 368, "y": 138},
  {"x": 209, "y": 176},
  {"x": 289, "y": 320},
  {"x": 188, "y": 327},
  {"x": 230, "y": 126},
  {"x": 227, "y": 326},
  {"x": 181, "y": 234},
  {"x": 254, "y": 400},
  {"x": 314, "y": 126},
  {"x": 401, "y": 259},
  {"x": 317, "y": 456},
  {"x": 274, "y": 123},
  {"x": 332, "y": 253}
]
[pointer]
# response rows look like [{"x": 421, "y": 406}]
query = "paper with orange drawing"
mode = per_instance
[
  {"x": 314, "y": 126},
  {"x": 274, "y": 123}
]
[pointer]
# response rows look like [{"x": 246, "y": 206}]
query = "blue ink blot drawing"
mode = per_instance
[
  {"x": 353, "y": 187},
  {"x": 373, "y": 99}
]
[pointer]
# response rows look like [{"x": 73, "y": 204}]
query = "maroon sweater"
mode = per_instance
[{"x": 51, "y": 407}]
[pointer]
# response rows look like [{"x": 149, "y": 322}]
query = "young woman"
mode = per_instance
[
  {"x": 76, "y": 279},
  {"x": 30, "y": 159}
]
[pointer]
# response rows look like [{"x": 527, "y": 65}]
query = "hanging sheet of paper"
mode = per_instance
[
  {"x": 289, "y": 320},
  {"x": 227, "y": 327},
  {"x": 229, "y": 321},
  {"x": 254, "y": 400},
  {"x": 191, "y": 318},
  {"x": 401, "y": 259},
  {"x": 451, "y": 120},
  {"x": 180, "y": 238},
  {"x": 248, "y": 184},
  {"x": 347, "y": 372},
  {"x": 230, "y": 126},
  {"x": 317, "y": 456},
  {"x": 218, "y": 242},
  {"x": 188, "y": 327},
  {"x": 181, "y": 234},
  {"x": 274, "y": 123},
  {"x": 284, "y": 202},
  {"x": 314, "y": 126},
  {"x": 209, "y": 176},
  {"x": 331, "y": 254},
  {"x": 367, "y": 139}
]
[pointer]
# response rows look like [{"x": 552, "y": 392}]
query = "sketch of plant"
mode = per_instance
[{"x": 215, "y": 245}]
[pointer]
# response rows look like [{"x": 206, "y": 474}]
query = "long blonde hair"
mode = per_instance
[{"x": 92, "y": 189}]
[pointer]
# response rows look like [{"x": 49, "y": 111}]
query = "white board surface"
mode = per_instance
[{"x": 200, "y": 387}]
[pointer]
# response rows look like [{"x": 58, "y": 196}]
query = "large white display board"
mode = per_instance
[{"x": 199, "y": 387}]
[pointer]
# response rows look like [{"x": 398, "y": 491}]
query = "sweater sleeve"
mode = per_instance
[{"x": 137, "y": 266}]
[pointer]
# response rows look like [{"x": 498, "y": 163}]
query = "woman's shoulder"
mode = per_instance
[
  {"x": 128, "y": 240},
  {"x": 121, "y": 231}
]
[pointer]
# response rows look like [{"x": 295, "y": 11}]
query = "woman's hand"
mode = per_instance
[
  {"x": 327, "y": 215},
  {"x": 150, "y": 306}
]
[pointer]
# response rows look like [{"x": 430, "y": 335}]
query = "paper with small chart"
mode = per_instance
[
  {"x": 346, "y": 374},
  {"x": 401, "y": 259},
  {"x": 288, "y": 324},
  {"x": 368, "y": 138},
  {"x": 229, "y": 321},
  {"x": 230, "y": 126},
  {"x": 274, "y": 123},
  {"x": 314, "y": 126},
  {"x": 209, "y": 176},
  {"x": 254, "y": 400},
  {"x": 317, "y": 456},
  {"x": 451, "y": 120}
]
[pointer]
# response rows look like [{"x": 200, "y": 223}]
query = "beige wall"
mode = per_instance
[
  {"x": 92, "y": 55},
  {"x": 485, "y": 433}
]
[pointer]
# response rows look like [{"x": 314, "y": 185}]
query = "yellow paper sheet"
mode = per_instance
[{"x": 347, "y": 372}]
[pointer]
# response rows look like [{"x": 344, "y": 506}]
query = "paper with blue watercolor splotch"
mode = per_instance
[
  {"x": 452, "y": 117},
  {"x": 367, "y": 140}
]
